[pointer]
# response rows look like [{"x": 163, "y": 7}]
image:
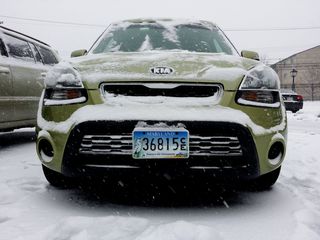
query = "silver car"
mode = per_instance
[{"x": 24, "y": 62}]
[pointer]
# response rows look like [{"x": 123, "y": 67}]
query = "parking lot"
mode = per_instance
[{"x": 31, "y": 209}]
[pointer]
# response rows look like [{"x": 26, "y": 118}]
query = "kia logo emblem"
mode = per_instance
[{"x": 161, "y": 70}]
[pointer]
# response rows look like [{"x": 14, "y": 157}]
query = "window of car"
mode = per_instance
[
  {"x": 18, "y": 48},
  {"x": 36, "y": 53},
  {"x": 142, "y": 37},
  {"x": 3, "y": 51},
  {"x": 47, "y": 56}
]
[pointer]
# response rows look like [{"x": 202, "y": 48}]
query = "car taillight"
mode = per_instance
[{"x": 299, "y": 98}]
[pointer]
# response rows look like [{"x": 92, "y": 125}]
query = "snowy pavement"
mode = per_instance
[{"x": 31, "y": 209}]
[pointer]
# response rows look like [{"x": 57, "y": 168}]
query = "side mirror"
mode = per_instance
[
  {"x": 250, "y": 55},
  {"x": 79, "y": 53}
]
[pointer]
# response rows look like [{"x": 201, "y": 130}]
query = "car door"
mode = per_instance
[
  {"x": 27, "y": 78},
  {"x": 6, "y": 92}
]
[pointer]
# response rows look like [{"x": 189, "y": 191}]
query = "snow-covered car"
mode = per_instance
[
  {"x": 23, "y": 63},
  {"x": 162, "y": 97},
  {"x": 292, "y": 100}
]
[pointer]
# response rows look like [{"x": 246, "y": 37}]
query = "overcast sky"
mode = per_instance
[{"x": 229, "y": 15}]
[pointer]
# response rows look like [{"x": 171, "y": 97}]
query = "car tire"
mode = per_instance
[
  {"x": 265, "y": 181},
  {"x": 57, "y": 179}
]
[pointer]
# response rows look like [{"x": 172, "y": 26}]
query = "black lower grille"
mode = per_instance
[{"x": 213, "y": 145}]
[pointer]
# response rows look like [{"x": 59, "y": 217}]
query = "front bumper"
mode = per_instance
[
  {"x": 246, "y": 165},
  {"x": 256, "y": 128}
]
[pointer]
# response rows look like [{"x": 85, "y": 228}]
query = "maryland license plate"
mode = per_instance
[{"x": 160, "y": 143}]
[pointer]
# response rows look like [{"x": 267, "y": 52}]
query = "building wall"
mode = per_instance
[{"x": 307, "y": 81}]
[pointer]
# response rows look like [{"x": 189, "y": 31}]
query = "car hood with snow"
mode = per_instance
[{"x": 185, "y": 67}]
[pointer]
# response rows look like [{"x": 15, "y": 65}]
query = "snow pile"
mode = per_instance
[
  {"x": 158, "y": 109},
  {"x": 306, "y": 227},
  {"x": 7, "y": 194},
  {"x": 6, "y": 214},
  {"x": 301, "y": 169},
  {"x": 30, "y": 209},
  {"x": 309, "y": 112},
  {"x": 114, "y": 228},
  {"x": 83, "y": 228},
  {"x": 179, "y": 230},
  {"x": 63, "y": 75},
  {"x": 140, "y": 102}
]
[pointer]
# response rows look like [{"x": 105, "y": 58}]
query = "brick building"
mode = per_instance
[{"x": 307, "y": 81}]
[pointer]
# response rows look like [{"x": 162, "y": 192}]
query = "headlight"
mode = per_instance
[
  {"x": 65, "y": 96},
  {"x": 64, "y": 86},
  {"x": 260, "y": 87}
]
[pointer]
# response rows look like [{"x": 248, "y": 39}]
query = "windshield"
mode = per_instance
[{"x": 147, "y": 37}]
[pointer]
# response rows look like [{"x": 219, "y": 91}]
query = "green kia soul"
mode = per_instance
[{"x": 168, "y": 97}]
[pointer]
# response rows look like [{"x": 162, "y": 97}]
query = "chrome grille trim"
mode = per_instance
[
  {"x": 112, "y": 166},
  {"x": 198, "y": 145},
  {"x": 215, "y": 168}
]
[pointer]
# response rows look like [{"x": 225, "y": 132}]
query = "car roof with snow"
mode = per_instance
[{"x": 22, "y": 35}]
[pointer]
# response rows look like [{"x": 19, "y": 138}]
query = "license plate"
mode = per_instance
[
  {"x": 160, "y": 143},
  {"x": 289, "y": 98}
]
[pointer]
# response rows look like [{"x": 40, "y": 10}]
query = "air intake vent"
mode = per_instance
[{"x": 162, "y": 89}]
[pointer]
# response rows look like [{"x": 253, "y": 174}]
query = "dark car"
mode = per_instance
[{"x": 292, "y": 100}]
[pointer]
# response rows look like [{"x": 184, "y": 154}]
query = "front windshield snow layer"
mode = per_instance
[{"x": 148, "y": 37}]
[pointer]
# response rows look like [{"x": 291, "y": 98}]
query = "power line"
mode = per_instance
[
  {"x": 54, "y": 22},
  {"x": 270, "y": 29},
  {"x": 103, "y": 26}
]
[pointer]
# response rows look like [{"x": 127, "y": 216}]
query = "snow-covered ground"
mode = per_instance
[{"x": 31, "y": 209}]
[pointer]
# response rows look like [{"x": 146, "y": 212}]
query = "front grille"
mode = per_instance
[
  {"x": 198, "y": 145},
  {"x": 106, "y": 144},
  {"x": 161, "y": 89},
  {"x": 214, "y": 146},
  {"x": 222, "y": 146}
]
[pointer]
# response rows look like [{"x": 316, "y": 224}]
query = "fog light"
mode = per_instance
[
  {"x": 275, "y": 153},
  {"x": 45, "y": 150}
]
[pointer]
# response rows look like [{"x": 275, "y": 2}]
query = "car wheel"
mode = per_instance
[
  {"x": 57, "y": 179},
  {"x": 265, "y": 181}
]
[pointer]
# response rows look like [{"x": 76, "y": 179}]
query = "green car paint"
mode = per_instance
[
  {"x": 266, "y": 118},
  {"x": 265, "y": 121}
]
